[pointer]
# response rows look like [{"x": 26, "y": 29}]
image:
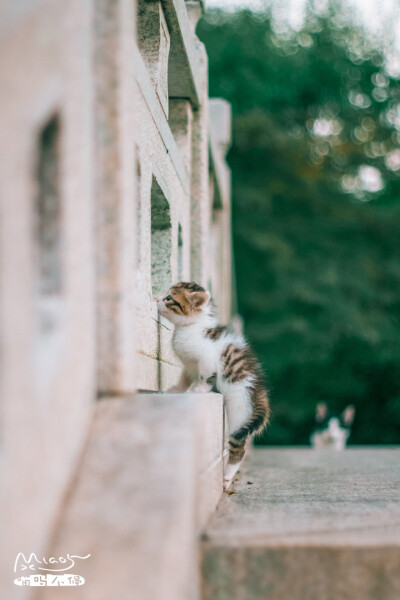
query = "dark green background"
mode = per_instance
[{"x": 317, "y": 269}]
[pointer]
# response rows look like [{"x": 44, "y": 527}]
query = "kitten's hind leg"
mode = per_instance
[
  {"x": 236, "y": 454},
  {"x": 204, "y": 385},
  {"x": 229, "y": 474},
  {"x": 200, "y": 387}
]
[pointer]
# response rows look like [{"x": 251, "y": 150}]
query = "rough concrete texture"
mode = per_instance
[
  {"x": 308, "y": 525},
  {"x": 134, "y": 502}
]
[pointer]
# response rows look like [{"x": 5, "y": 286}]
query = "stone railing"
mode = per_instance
[{"x": 113, "y": 185}]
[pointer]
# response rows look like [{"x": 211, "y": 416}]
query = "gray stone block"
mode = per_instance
[{"x": 308, "y": 525}]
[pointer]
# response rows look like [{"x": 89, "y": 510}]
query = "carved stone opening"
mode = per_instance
[{"x": 161, "y": 242}]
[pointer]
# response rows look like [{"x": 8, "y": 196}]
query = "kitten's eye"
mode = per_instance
[{"x": 168, "y": 298}]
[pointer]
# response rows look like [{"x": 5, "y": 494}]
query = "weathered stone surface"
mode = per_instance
[
  {"x": 176, "y": 154},
  {"x": 180, "y": 120},
  {"x": 308, "y": 525},
  {"x": 134, "y": 504},
  {"x": 154, "y": 42},
  {"x": 210, "y": 445},
  {"x": 114, "y": 189},
  {"x": 201, "y": 204},
  {"x": 185, "y": 72}
]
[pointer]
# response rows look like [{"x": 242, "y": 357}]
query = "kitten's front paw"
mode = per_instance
[
  {"x": 200, "y": 388},
  {"x": 174, "y": 389}
]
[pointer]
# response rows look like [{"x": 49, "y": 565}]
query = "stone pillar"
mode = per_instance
[
  {"x": 195, "y": 9},
  {"x": 220, "y": 132},
  {"x": 200, "y": 197},
  {"x": 115, "y": 194},
  {"x": 180, "y": 121}
]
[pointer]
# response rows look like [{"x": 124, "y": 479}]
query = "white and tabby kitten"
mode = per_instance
[{"x": 215, "y": 359}]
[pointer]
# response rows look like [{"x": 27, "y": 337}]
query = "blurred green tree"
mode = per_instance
[{"x": 316, "y": 213}]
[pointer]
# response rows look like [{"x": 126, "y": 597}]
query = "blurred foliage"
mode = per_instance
[{"x": 316, "y": 214}]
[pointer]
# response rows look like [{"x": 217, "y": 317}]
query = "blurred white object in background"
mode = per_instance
[{"x": 332, "y": 432}]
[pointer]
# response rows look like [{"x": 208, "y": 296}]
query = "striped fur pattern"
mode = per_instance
[{"x": 215, "y": 359}]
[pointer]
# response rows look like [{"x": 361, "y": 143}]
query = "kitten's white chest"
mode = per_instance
[
  {"x": 186, "y": 343},
  {"x": 192, "y": 348}
]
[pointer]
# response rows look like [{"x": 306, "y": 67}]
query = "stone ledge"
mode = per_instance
[
  {"x": 310, "y": 526},
  {"x": 135, "y": 504}
]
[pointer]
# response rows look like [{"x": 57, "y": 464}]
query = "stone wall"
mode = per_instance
[
  {"x": 179, "y": 189},
  {"x": 113, "y": 184}
]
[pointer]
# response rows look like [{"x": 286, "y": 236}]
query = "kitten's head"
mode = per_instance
[
  {"x": 184, "y": 303},
  {"x": 331, "y": 430}
]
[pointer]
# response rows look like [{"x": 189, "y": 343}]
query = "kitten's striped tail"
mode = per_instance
[{"x": 257, "y": 421}]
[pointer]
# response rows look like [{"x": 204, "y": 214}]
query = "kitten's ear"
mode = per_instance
[
  {"x": 321, "y": 410},
  {"x": 348, "y": 414},
  {"x": 200, "y": 299}
]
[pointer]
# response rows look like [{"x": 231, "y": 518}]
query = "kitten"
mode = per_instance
[
  {"x": 332, "y": 432},
  {"x": 216, "y": 360}
]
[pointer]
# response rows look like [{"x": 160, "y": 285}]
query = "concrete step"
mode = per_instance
[{"x": 308, "y": 525}]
